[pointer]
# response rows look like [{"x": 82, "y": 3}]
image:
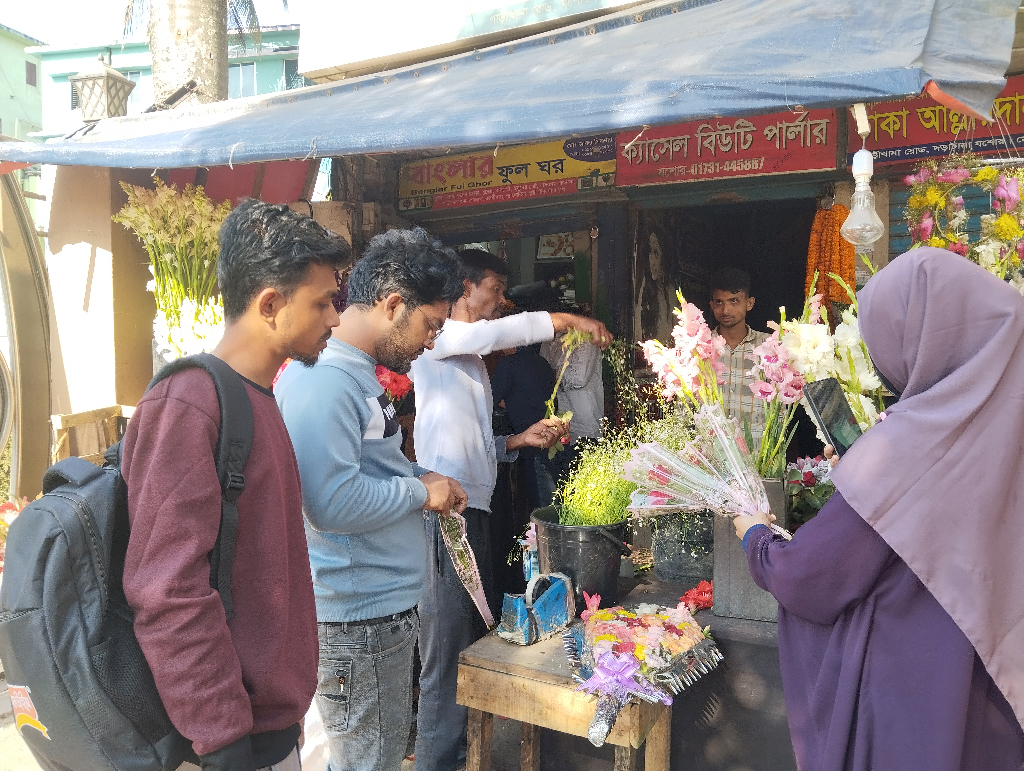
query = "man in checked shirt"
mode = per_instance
[{"x": 730, "y": 302}]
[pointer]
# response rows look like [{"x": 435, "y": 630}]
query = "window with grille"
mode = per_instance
[
  {"x": 241, "y": 80},
  {"x": 30, "y": 73},
  {"x": 74, "y": 96}
]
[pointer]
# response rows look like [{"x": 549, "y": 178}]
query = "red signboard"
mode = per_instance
[
  {"x": 717, "y": 148},
  {"x": 917, "y": 128}
]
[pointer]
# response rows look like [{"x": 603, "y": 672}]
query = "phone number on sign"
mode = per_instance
[{"x": 713, "y": 167}]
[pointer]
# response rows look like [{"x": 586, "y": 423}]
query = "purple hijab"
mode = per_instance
[{"x": 941, "y": 479}]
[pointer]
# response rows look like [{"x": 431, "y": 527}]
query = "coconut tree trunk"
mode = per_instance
[{"x": 188, "y": 40}]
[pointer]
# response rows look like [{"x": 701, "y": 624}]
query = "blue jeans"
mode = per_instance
[
  {"x": 364, "y": 691},
  {"x": 449, "y": 623}
]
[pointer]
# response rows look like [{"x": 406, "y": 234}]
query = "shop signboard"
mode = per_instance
[
  {"x": 509, "y": 174},
  {"x": 911, "y": 129},
  {"x": 719, "y": 148}
]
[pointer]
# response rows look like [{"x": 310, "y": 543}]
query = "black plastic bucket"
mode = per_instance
[{"x": 589, "y": 555}]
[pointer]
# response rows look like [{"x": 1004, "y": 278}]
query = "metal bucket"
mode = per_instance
[{"x": 589, "y": 555}]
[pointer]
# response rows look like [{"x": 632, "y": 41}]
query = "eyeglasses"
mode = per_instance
[{"x": 435, "y": 331}]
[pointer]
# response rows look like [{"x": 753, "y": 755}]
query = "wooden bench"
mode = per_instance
[
  {"x": 533, "y": 684},
  {"x": 88, "y": 434}
]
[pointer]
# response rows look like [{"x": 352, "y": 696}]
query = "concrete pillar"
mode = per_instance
[{"x": 102, "y": 342}]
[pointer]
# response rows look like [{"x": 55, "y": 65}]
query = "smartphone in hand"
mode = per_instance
[{"x": 832, "y": 413}]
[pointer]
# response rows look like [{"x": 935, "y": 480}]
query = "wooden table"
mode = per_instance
[{"x": 533, "y": 684}]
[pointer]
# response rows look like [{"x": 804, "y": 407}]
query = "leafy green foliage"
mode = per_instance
[{"x": 594, "y": 492}]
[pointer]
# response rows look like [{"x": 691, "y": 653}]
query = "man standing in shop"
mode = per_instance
[
  {"x": 453, "y": 436},
  {"x": 364, "y": 501},
  {"x": 236, "y": 687},
  {"x": 731, "y": 301}
]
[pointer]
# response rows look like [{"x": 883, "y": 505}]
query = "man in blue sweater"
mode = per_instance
[{"x": 363, "y": 500}]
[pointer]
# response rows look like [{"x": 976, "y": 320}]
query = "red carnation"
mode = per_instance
[{"x": 396, "y": 385}]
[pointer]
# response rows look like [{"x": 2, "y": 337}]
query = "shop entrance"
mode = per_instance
[{"x": 683, "y": 248}]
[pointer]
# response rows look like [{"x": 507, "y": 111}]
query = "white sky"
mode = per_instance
[{"x": 67, "y": 23}]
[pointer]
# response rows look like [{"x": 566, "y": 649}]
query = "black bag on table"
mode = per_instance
[{"x": 83, "y": 695}]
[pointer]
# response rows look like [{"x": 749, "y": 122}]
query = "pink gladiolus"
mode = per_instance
[
  {"x": 924, "y": 230},
  {"x": 922, "y": 176},
  {"x": 789, "y": 393},
  {"x": 1006, "y": 193},
  {"x": 958, "y": 202},
  {"x": 953, "y": 176},
  {"x": 763, "y": 390},
  {"x": 814, "y": 305}
]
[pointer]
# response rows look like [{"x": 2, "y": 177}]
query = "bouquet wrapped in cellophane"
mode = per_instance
[
  {"x": 647, "y": 652},
  {"x": 713, "y": 472}
]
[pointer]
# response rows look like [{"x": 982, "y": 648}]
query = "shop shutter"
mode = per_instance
[{"x": 976, "y": 200}]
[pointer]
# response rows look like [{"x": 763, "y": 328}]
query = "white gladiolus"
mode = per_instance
[
  {"x": 810, "y": 347},
  {"x": 199, "y": 330},
  {"x": 850, "y": 345}
]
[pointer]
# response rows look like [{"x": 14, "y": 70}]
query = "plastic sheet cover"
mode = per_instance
[{"x": 658, "y": 63}]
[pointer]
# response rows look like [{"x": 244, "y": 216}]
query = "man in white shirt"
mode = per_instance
[
  {"x": 730, "y": 302},
  {"x": 453, "y": 437}
]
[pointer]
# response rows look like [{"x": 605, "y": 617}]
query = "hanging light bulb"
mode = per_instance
[{"x": 863, "y": 227}]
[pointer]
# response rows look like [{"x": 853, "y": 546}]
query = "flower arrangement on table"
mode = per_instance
[
  {"x": 179, "y": 232},
  {"x": 649, "y": 652},
  {"x": 937, "y": 215}
]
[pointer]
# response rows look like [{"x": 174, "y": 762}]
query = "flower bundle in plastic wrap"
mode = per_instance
[
  {"x": 649, "y": 652},
  {"x": 453, "y": 530},
  {"x": 713, "y": 472}
]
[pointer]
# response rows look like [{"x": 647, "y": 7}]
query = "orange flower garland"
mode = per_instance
[{"x": 828, "y": 252}]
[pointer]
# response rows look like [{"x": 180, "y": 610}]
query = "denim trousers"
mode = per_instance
[
  {"x": 449, "y": 623},
  {"x": 364, "y": 691}
]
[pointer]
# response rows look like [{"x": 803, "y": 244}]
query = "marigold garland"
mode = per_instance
[{"x": 828, "y": 252}]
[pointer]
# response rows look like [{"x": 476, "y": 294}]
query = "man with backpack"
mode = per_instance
[
  {"x": 364, "y": 501},
  {"x": 238, "y": 684}
]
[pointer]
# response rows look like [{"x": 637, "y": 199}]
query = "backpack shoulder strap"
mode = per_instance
[{"x": 234, "y": 443}]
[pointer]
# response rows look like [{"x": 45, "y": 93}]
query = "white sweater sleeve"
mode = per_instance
[{"x": 482, "y": 337}]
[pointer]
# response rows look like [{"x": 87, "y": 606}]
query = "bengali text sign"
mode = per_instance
[
  {"x": 510, "y": 174},
  {"x": 728, "y": 147},
  {"x": 911, "y": 129}
]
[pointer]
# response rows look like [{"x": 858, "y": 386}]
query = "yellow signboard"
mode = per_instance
[{"x": 510, "y": 174}]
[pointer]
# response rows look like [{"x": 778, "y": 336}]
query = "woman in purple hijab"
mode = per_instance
[{"x": 901, "y": 605}]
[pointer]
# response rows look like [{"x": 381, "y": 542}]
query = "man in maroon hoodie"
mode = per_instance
[{"x": 237, "y": 689}]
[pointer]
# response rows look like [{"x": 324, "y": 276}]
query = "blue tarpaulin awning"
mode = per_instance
[{"x": 659, "y": 63}]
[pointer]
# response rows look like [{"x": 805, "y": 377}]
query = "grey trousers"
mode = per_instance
[
  {"x": 449, "y": 623},
  {"x": 364, "y": 692}
]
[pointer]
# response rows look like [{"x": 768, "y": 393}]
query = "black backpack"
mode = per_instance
[{"x": 83, "y": 694}]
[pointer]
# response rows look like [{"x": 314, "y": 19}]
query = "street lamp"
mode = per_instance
[{"x": 102, "y": 91}]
